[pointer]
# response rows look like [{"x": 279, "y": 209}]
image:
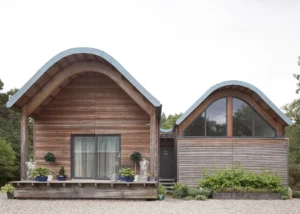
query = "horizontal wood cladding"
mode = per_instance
[
  {"x": 87, "y": 190},
  {"x": 90, "y": 104},
  {"x": 194, "y": 154}
]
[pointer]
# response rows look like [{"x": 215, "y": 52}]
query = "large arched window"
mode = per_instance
[
  {"x": 211, "y": 122},
  {"x": 247, "y": 123}
]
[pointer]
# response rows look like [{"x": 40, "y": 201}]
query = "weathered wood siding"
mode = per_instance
[
  {"x": 196, "y": 153},
  {"x": 84, "y": 189},
  {"x": 90, "y": 104}
]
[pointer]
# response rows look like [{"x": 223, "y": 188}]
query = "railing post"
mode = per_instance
[{"x": 24, "y": 143}]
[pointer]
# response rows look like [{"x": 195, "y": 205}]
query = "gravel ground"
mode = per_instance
[{"x": 167, "y": 206}]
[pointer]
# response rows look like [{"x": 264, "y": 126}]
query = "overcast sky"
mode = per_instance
[{"x": 176, "y": 49}]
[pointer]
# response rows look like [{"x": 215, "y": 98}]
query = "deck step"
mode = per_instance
[
  {"x": 168, "y": 183},
  {"x": 166, "y": 180}
]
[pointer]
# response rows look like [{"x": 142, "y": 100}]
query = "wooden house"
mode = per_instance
[
  {"x": 232, "y": 123},
  {"x": 92, "y": 115}
]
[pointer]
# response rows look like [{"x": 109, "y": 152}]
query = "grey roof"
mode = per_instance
[
  {"x": 83, "y": 50},
  {"x": 166, "y": 130},
  {"x": 239, "y": 83}
]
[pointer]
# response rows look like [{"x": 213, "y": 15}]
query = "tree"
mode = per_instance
[
  {"x": 168, "y": 123},
  {"x": 7, "y": 162},
  {"x": 293, "y": 133},
  {"x": 10, "y": 128}
]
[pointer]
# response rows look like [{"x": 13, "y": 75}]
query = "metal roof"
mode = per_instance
[
  {"x": 166, "y": 130},
  {"x": 238, "y": 83},
  {"x": 83, "y": 50}
]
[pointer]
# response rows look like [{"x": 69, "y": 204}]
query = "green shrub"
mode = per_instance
[
  {"x": 7, "y": 188},
  {"x": 204, "y": 191},
  {"x": 50, "y": 157},
  {"x": 296, "y": 194},
  {"x": 284, "y": 197},
  {"x": 162, "y": 190},
  {"x": 188, "y": 198},
  {"x": 201, "y": 197},
  {"x": 238, "y": 179},
  {"x": 179, "y": 190},
  {"x": 136, "y": 157},
  {"x": 7, "y": 162},
  {"x": 192, "y": 192},
  {"x": 62, "y": 171},
  {"x": 40, "y": 171}
]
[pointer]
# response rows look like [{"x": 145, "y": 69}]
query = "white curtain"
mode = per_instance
[
  {"x": 96, "y": 156},
  {"x": 108, "y": 155},
  {"x": 84, "y": 157}
]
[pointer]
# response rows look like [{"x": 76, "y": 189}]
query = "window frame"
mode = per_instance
[
  {"x": 253, "y": 123},
  {"x": 91, "y": 135},
  {"x": 205, "y": 131}
]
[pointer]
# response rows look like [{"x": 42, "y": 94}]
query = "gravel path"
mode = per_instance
[{"x": 131, "y": 207}]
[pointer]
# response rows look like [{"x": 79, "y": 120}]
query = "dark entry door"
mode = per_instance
[{"x": 167, "y": 161}]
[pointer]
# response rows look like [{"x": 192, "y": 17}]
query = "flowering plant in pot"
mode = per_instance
[
  {"x": 128, "y": 174},
  {"x": 61, "y": 174},
  {"x": 9, "y": 189},
  {"x": 40, "y": 173}
]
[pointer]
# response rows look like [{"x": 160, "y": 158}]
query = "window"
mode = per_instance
[
  {"x": 247, "y": 123},
  {"x": 211, "y": 122},
  {"x": 197, "y": 127},
  {"x": 95, "y": 156},
  {"x": 216, "y": 115}
]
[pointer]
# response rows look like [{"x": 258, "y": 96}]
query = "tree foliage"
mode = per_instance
[
  {"x": 168, "y": 122},
  {"x": 7, "y": 162},
  {"x": 293, "y": 133},
  {"x": 10, "y": 128}
]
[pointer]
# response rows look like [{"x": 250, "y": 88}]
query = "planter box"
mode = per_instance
[{"x": 246, "y": 196}]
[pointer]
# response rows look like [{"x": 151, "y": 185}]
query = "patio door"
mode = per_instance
[{"x": 95, "y": 156}]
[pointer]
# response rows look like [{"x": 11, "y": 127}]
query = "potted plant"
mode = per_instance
[
  {"x": 9, "y": 189},
  {"x": 40, "y": 173},
  {"x": 62, "y": 176},
  {"x": 122, "y": 174},
  {"x": 136, "y": 157},
  {"x": 50, "y": 157},
  {"x": 50, "y": 177},
  {"x": 128, "y": 174},
  {"x": 148, "y": 177},
  {"x": 162, "y": 191}
]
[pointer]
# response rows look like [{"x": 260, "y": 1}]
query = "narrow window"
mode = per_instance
[{"x": 216, "y": 115}]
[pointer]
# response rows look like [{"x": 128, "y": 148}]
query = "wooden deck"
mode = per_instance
[{"x": 84, "y": 189}]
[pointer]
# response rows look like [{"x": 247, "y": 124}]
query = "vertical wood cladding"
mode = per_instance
[
  {"x": 196, "y": 153},
  {"x": 90, "y": 104}
]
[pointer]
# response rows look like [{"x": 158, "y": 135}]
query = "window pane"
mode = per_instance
[
  {"x": 262, "y": 128},
  {"x": 197, "y": 127},
  {"x": 84, "y": 157},
  {"x": 108, "y": 155},
  {"x": 242, "y": 118},
  {"x": 216, "y": 118}
]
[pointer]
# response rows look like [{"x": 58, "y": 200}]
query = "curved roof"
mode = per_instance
[
  {"x": 238, "y": 83},
  {"x": 83, "y": 50},
  {"x": 166, "y": 130}
]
